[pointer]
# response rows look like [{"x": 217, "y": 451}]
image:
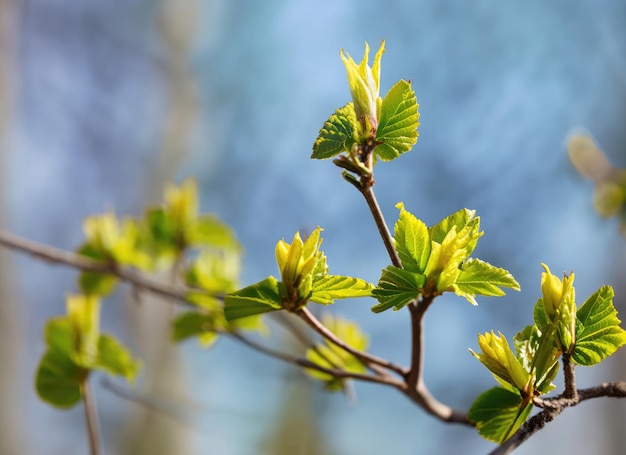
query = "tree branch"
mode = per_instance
[
  {"x": 91, "y": 418},
  {"x": 569, "y": 378},
  {"x": 367, "y": 358},
  {"x": 56, "y": 256},
  {"x": 379, "y": 219},
  {"x": 304, "y": 363},
  {"x": 552, "y": 407}
]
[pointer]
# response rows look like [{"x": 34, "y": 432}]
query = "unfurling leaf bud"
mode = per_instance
[
  {"x": 559, "y": 302},
  {"x": 364, "y": 85},
  {"x": 499, "y": 359}
]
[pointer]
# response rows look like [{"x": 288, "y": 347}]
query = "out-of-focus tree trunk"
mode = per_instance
[
  {"x": 297, "y": 428},
  {"x": 150, "y": 431},
  {"x": 10, "y": 394}
]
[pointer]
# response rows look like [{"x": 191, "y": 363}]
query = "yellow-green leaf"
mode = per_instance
[
  {"x": 396, "y": 288},
  {"x": 598, "y": 334},
  {"x": 331, "y": 287},
  {"x": 398, "y": 122},
  {"x": 412, "y": 241},
  {"x": 258, "y": 298},
  {"x": 116, "y": 359},
  {"x": 58, "y": 379},
  {"x": 337, "y": 135},
  {"x": 498, "y": 413}
]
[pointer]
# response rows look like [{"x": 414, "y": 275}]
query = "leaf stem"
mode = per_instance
[
  {"x": 91, "y": 418},
  {"x": 367, "y": 358}
]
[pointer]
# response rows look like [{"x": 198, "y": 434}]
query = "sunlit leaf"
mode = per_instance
[
  {"x": 412, "y": 241},
  {"x": 398, "y": 122},
  {"x": 599, "y": 334},
  {"x": 482, "y": 278},
  {"x": 396, "y": 288},
  {"x": 326, "y": 290},
  {"x": 458, "y": 220},
  {"x": 337, "y": 134},
  {"x": 498, "y": 413},
  {"x": 254, "y": 299}
]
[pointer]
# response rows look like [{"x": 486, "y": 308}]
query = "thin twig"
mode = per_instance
[
  {"x": 379, "y": 219},
  {"x": 552, "y": 407},
  {"x": 56, "y": 256},
  {"x": 154, "y": 404},
  {"x": 304, "y": 363},
  {"x": 310, "y": 319},
  {"x": 284, "y": 319},
  {"x": 91, "y": 418}
]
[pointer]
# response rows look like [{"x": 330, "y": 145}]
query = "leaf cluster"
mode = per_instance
[
  {"x": 528, "y": 372},
  {"x": 199, "y": 248},
  {"x": 75, "y": 347},
  {"x": 304, "y": 278},
  {"x": 437, "y": 259}
]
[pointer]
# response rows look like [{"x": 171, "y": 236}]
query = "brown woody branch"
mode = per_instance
[
  {"x": 552, "y": 407},
  {"x": 56, "y": 256}
]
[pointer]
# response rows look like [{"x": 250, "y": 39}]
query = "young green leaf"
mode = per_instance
[
  {"x": 497, "y": 356},
  {"x": 538, "y": 352},
  {"x": 162, "y": 232},
  {"x": 539, "y": 315},
  {"x": 460, "y": 220},
  {"x": 58, "y": 379},
  {"x": 97, "y": 284},
  {"x": 599, "y": 334},
  {"x": 482, "y": 278},
  {"x": 216, "y": 272},
  {"x": 337, "y": 134},
  {"x": 92, "y": 283},
  {"x": 209, "y": 230},
  {"x": 396, "y": 288},
  {"x": 412, "y": 241},
  {"x": 498, "y": 413},
  {"x": 254, "y": 299},
  {"x": 113, "y": 240},
  {"x": 194, "y": 324},
  {"x": 59, "y": 335},
  {"x": 83, "y": 313},
  {"x": 398, "y": 122},
  {"x": 331, "y": 287},
  {"x": 116, "y": 359}
]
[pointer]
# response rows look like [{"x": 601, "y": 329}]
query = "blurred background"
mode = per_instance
[{"x": 103, "y": 102}]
